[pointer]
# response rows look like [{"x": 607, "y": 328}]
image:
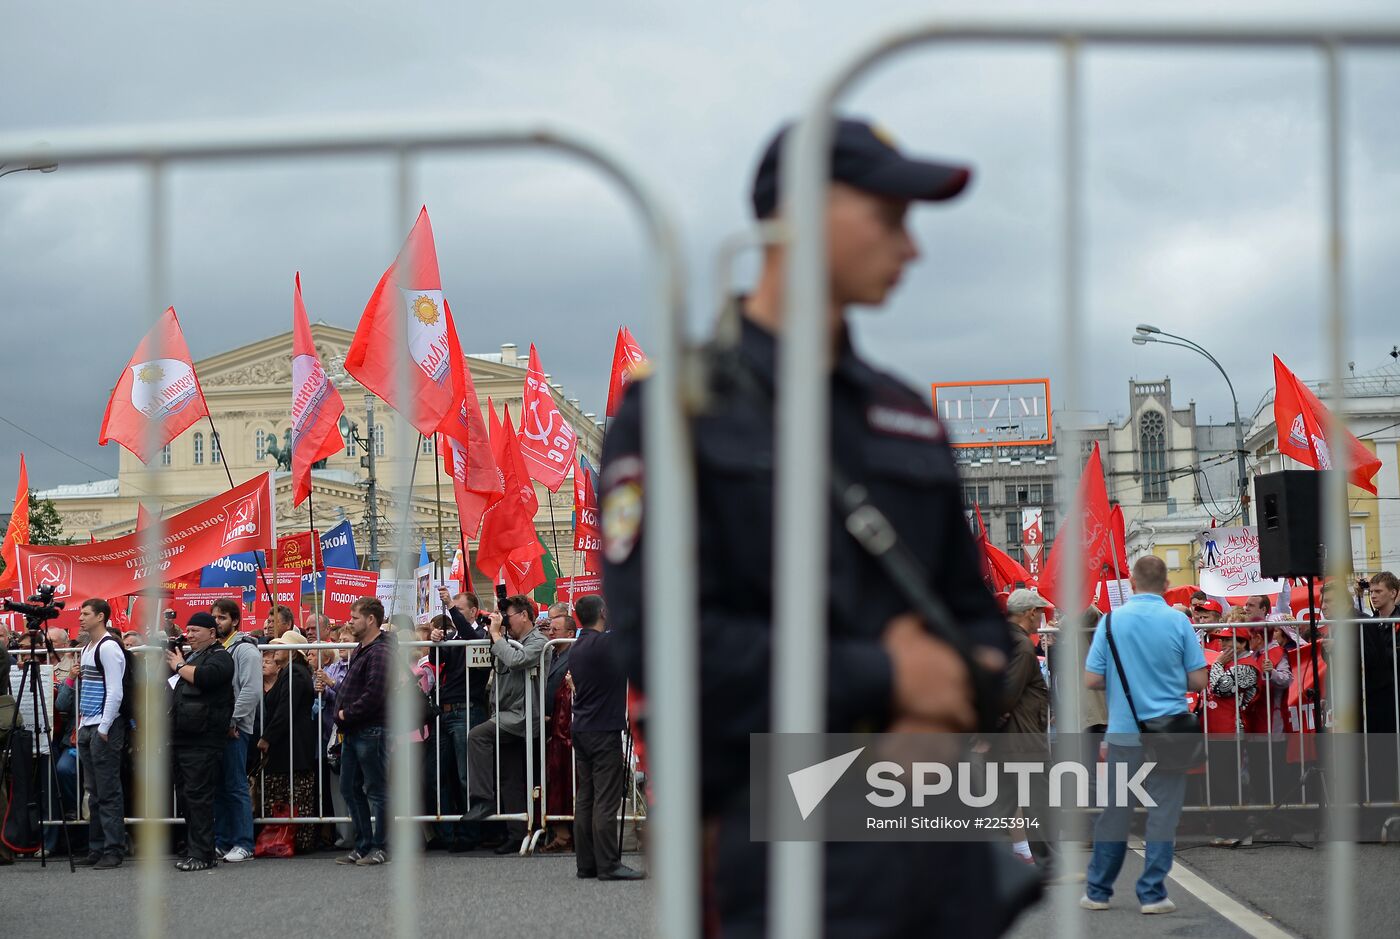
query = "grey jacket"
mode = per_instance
[
  {"x": 513, "y": 681},
  {"x": 247, "y": 684}
]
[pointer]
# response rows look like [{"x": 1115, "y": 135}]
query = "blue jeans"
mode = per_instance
[
  {"x": 233, "y": 802},
  {"x": 1111, "y": 831},
  {"x": 364, "y": 771},
  {"x": 67, "y": 770}
]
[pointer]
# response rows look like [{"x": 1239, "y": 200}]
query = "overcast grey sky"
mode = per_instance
[{"x": 1203, "y": 170}]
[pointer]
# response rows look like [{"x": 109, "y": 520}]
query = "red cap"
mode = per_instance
[
  {"x": 1210, "y": 606},
  {"x": 1238, "y": 632}
]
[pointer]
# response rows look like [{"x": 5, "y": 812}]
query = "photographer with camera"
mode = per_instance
[
  {"x": 201, "y": 706},
  {"x": 512, "y": 664},
  {"x": 460, "y": 712},
  {"x": 104, "y": 709}
]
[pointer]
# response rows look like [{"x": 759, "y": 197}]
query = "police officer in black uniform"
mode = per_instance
[{"x": 886, "y": 671}]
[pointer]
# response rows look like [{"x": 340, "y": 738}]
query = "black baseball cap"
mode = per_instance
[
  {"x": 864, "y": 156},
  {"x": 202, "y": 620}
]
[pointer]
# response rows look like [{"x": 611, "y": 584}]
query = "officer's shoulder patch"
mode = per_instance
[
  {"x": 900, "y": 420},
  {"x": 622, "y": 508}
]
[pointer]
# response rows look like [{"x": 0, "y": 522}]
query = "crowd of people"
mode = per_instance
[
  {"x": 262, "y": 725},
  {"x": 1254, "y": 676}
]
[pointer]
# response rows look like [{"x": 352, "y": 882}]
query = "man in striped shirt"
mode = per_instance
[{"x": 102, "y": 734}]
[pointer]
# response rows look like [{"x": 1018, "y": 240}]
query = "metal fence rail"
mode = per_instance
[
  {"x": 534, "y": 797},
  {"x": 671, "y": 596},
  {"x": 803, "y": 435}
]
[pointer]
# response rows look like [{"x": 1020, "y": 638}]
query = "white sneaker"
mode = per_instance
[
  {"x": 1161, "y": 906},
  {"x": 1086, "y": 904},
  {"x": 236, "y": 854}
]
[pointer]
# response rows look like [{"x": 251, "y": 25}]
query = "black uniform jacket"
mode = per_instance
[{"x": 886, "y": 437}]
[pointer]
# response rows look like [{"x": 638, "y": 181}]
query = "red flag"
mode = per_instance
[
  {"x": 628, "y": 360},
  {"x": 17, "y": 532},
  {"x": 477, "y": 483},
  {"x": 1005, "y": 571},
  {"x": 546, "y": 440},
  {"x": 1097, "y": 523},
  {"x": 141, "y": 613},
  {"x": 316, "y": 405},
  {"x": 509, "y": 525},
  {"x": 300, "y": 551},
  {"x": 1118, "y": 529},
  {"x": 524, "y": 568},
  {"x": 588, "y": 529},
  {"x": 1301, "y": 420},
  {"x": 983, "y": 543},
  {"x": 407, "y": 323},
  {"x": 1302, "y": 715},
  {"x": 158, "y": 384}
]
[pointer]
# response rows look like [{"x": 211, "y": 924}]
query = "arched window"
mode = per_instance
[
  {"x": 260, "y": 444},
  {"x": 378, "y": 439},
  {"x": 165, "y": 455},
  {"x": 216, "y": 453},
  {"x": 198, "y": 449},
  {"x": 1152, "y": 432}
]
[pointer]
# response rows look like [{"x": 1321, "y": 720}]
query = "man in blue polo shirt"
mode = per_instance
[{"x": 1161, "y": 658}]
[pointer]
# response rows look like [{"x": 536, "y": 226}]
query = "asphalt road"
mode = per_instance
[
  {"x": 484, "y": 895},
  {"x": 462, "y": 895}
]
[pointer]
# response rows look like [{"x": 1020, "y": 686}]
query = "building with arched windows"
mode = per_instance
[
  {"x": 1171, "y": 473},
  {"x": 249, "y": 390},
  {"x": 1160, "y": 463}
]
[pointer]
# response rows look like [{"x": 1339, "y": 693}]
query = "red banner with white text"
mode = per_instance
[
  {"x": 186, "y": 603},
  {"x": 287, "y": 586},
  {"x": 238, "y": 520},
  {"x": 344, "y": 587},
  {"x": 568, "y": 589}
]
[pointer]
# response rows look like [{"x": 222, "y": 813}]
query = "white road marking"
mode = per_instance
[{"x": 1226, "y": 906}]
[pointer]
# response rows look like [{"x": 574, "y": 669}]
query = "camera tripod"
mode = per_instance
[{"x": 30, "y": 673}]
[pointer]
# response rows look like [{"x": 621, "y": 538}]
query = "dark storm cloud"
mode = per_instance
[{"x": 1203, "y": 175}]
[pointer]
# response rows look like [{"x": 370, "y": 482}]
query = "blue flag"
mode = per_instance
[
  {"x": 423, "y": 554},
  {"x": 234, "y": 570},
  {"x": 337, "y": 550}
]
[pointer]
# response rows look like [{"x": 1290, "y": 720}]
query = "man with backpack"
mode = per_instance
[
  {"x": 104, "y": 708},
  {"x": 233, "y": 802}
]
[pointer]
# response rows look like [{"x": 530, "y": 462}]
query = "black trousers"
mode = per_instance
[
  {"x": 196, "y": 772},
  {"x": 602, "y": 778},
  {"x": 481, "y": 753}
]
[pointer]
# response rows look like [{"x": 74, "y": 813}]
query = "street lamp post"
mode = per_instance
[
  {"x": 41, "y": 166},
  {"x": 1146, "y": 334},
  {"x": 350, "y": 429}
]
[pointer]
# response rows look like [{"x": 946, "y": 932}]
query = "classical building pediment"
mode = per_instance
[{"x": 269, "y": 361}]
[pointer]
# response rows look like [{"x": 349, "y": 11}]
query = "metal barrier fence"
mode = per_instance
[
  {"x": 671, "y": 602},
  {"x": 803, "y": 512},
  {"x": 1271, "y": 765},
  {"x": 439, "y": 763}
]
